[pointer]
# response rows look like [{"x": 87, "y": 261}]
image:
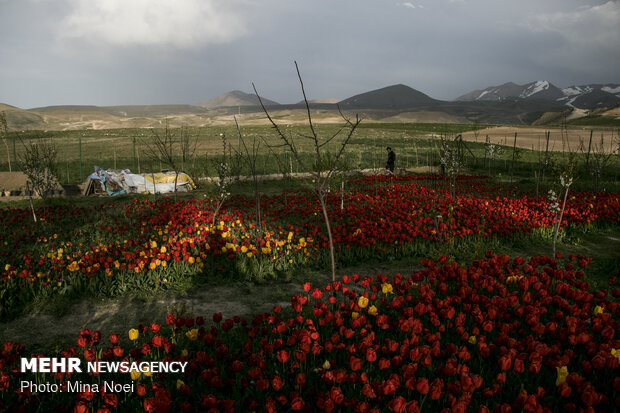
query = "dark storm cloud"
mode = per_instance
[{"x": 184, "y": 51}]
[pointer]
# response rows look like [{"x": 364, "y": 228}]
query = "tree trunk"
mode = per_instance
[
  {"x": 259, "y": 225},
  {"x": 557, "y": 227},
  {"x": 176, "y": 178},
  {"x": 321, "y": 197},
  {"x": 34, "y": 215}
]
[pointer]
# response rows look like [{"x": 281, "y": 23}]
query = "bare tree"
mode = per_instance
[
  {"x": 566, "y": 180},
  {"x": 324, "y": 166},
  {"x": 161, "y": 149},
  {"x": 250, "y": 156},
  {"x": 188, "y": 147},
  {"x": 600, "y": 156},
  {"x": 4, "y": 133},
  {"x": 566, "y": 172},
  {"x": 38, "y": 162},
  {"x": 451, "y": 159},
  {"x": 228, "y": 170}
]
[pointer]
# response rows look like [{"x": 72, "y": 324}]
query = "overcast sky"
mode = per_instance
[{"x": 117, "y": 52}]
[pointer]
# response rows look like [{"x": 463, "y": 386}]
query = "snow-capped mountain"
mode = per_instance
[
  {"x": 541, "y": 89},
  {"x": 591, "y": 96},
  {"x": 583, "y": 97}
]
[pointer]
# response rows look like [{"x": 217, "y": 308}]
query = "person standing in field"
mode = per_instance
[{"x": 389, "y": 165}]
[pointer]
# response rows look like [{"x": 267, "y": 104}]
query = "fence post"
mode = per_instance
[
  {"x": 512, "y": 164},
  {"x": 548, "y": 134},
  {"x": 80, "y": 146},
  {"x": 403, "y": 144},
  {"x": 588, "y": 155}
]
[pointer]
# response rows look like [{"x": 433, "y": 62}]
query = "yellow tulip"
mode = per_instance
[
  {"x": 362, "y": 302},
  {"x": 372, "y": 310},
  {"x": 472, "y": 340},
  {"x": 562, "y": 374},
  {"x": 192, "y": 334},
  {"x": 133, "y": 334},
  {"x": 386, "y": 288},
  {"x": 135, "y": 375}
]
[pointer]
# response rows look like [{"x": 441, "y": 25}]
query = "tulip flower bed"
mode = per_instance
[
  {"x": 497, "y": 335},
  {"x": 114, "y": 248}
]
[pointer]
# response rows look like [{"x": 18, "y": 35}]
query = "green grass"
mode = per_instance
[
  {"x": 415, "y": 145},
  {"x": 596, "y": 121}
]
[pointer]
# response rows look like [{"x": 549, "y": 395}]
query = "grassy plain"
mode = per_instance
[{"x": 416, "y": 145}]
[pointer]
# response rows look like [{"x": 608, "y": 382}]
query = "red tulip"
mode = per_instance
[
  {"x": 283, "y": 356},
  {"x": 422, "y": 386}
]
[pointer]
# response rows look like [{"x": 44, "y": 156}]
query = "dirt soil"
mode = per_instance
[
  {"x": 12, "y": 180},
  {"x": 534, "y": 138}
]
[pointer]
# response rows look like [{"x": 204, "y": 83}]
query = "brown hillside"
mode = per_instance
[
  {"x": 20, "y": 119},
  {"x": 235, "y": 98}
]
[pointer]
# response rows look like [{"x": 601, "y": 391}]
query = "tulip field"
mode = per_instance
[{"x": 463, "y": 331}]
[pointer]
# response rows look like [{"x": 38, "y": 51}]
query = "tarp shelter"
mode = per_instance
[{"x": 117, "y": 182}]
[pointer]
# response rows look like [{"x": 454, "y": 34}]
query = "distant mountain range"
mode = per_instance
[
  {"x": 581, "y": 97},
  {"x": 404, "y": 97},
  {"x": 505, "y": 104}
]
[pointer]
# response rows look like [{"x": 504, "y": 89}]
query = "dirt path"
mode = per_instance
[
  {"x": 535, "y": 138},
  {"x": 58, "y": 328}
]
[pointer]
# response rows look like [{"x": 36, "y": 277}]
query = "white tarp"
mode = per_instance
[{"x": 117, "y": 182}]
